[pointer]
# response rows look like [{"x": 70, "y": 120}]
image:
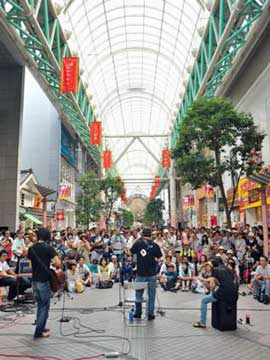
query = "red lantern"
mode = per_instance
[
  {"x": 95, "y": 133},
  {"x": 69, "y": 75},
  {"x": 107, "y": 159},
  {"x": 166, "y": 158}
]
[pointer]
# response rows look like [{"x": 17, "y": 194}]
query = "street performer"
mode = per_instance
[
  {"x": 147, "y": 252},
  {"x": 41, "y": 255}
]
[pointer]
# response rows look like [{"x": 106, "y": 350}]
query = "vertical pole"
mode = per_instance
[
  {"x": 264, "y": 221},
  {"x": 173, "y": 214},
  {"x": 44, "y": 213}
]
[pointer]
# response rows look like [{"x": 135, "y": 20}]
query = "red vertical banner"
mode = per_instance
[
  {"x": 69, "y": 75},
  {"x": 95, "y": 133},
  {"x": 166, "y": 158},
  {"x": 157, "y": 181},
  {"x": 107, "y": 159}
]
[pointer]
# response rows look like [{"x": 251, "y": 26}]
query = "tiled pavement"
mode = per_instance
[{"x": 169, "y": 337}]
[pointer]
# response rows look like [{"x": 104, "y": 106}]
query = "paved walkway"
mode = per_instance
[{"x": 169, "y": 337}]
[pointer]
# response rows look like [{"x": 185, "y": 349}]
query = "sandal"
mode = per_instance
[{"x": 199, "y": 325}]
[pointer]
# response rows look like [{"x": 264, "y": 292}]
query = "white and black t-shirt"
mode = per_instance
[{"x": 147, "y": 252}]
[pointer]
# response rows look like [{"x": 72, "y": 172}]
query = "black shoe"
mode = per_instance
[
  {"x": 151, "y": 317},
  {"x": 137, "y": 316},
  {"x": 266, "y": 300}
]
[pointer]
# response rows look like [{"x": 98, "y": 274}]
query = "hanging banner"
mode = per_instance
[
  {"x": 64, "y": 191},
  {"x": 166, "y": 159},
  {"x": 107, "y": 159},
  {"x": 209, "y": 191},
  {"x": 95, "y": 133},
  {"x": 69, "y": 75},
  {"x": 157, "y": 181}
]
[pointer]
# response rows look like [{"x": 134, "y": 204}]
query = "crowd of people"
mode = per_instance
[{"x": 100, "y": 258}]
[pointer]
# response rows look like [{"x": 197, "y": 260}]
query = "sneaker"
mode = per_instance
[
  {"x": 46, "y": 330},
  {"x": 137, "y": 316},
  {"x": 151, "y": 317}
]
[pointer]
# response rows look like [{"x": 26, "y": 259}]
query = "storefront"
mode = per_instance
[
  {"x": 250, "y": 204},
  {"x": 31, "y": 202}
]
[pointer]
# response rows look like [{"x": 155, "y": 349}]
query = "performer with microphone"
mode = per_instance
[{"x": 147, "y": 252}]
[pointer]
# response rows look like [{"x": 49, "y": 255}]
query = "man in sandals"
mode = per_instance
[{"x": 222, "y": 288}]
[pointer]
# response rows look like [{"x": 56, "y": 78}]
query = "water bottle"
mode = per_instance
[{"x": 131, "y": 314}]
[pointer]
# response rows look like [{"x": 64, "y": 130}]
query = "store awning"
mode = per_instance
[{"x": 33, "y": 218}]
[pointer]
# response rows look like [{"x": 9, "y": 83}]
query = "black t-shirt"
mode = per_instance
[
  {"x": 41, "y": 255},
  {"x": 227, "y": 290},
  {"x": 147, "y": 251}
]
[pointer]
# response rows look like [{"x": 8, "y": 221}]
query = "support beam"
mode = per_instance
[
  {"x": 135, "y": 136},
  {"x": 149, "y": 151},
  {"x": 124, "y": 151}
]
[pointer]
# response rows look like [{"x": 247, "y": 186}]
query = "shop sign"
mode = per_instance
[
  {"x": 60, "y": 216},
  {"x": 64, "y": 191}
]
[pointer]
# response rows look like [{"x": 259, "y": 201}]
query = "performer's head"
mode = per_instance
[
  {"x": 44, "y": 234},
  {"x": 147, "y": 234}
]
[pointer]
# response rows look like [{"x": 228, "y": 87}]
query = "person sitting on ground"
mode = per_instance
[
  {"x": 104, "y": 274},
  {"x": 261, "y": 280},
  {"x": 221, "y": 254},
  {"x": 165, "y": 266},
  {"x": 222, "y": 288},
  {"x": 126, "y": 270},
  {"x": 185, "y": 273},
  {"x": 74, "y": 282},
  {"x": 8, "y": 277},
  {"x": 84, "y": 248},
  {"x": 169, "y": 279},
  {"x": 84, "y": 272},
  {"x": 93, "y": 267}
]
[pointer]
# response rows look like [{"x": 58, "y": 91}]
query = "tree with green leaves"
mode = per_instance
[
  {"x": 153, "y": 212},
  {"x": 216, "y": 140},
  {"x": 126, "y": 217},
  {"x": 89, "y": 203},
  {"x": 111, "y": 187}
]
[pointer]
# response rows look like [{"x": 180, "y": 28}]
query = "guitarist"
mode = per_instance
[{"x": 41, "y": 255}]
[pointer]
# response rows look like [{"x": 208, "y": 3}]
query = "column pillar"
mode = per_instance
[
  {"x": 11, "y": 98},
  {"x": 264, "y": 221},
  {"x": 173, "y": 210}
]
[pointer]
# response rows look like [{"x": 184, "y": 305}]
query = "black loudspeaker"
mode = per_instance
[{"x": 224, "y": 316}]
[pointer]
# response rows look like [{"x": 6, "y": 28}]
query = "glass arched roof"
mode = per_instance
[{"x": 135, "y": 55}]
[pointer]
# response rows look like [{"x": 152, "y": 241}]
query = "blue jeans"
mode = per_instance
[
  {"x": 152, "y": 283},
  {"x": 206, "y": 300},
  {"x": 42, "y": 292}
]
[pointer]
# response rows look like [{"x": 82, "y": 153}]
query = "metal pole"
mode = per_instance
[
  {"x": 264, "y": 221},
  {"x": 44, "y": 213},
  {"x": 173, "y": 214}
]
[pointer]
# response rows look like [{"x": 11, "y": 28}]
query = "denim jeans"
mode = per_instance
[
  {"x": 151, "y": 280},
  {"x": 206, "y": 300},
  {"x": 42, "y": 292}
]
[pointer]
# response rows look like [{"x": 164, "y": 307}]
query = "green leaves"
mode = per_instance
[
  {"x": 89, "y": 203},
  {"x": 153, "y": 212},
  {"x": 127, "y": 218},
  {"x": 214, "y": 139}
]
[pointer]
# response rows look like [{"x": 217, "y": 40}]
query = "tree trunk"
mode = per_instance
[{"x": 222, "y": 190}]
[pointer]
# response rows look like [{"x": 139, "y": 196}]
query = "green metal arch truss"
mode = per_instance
[{"x": 40, "y": 33}]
